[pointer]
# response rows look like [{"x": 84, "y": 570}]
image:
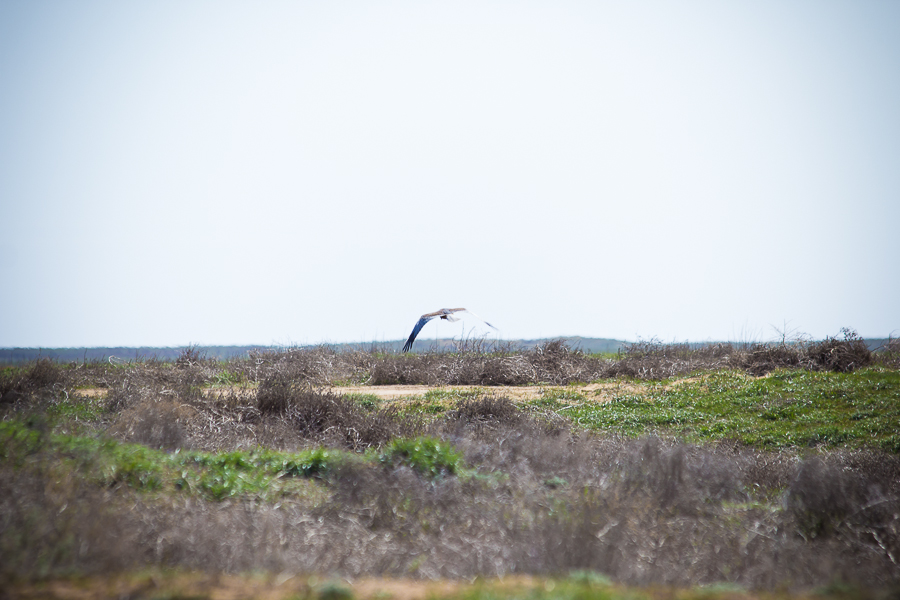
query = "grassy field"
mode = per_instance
[
  {"x": 685, "y": 471},
  {"x": 788, "y": 409}
]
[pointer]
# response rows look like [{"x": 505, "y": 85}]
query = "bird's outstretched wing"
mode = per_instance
[
  {"x": 419, "y": 325},
  {"x": 444, "y": 313}
]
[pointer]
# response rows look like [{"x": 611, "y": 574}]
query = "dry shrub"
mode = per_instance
[
  {"x": 766, "y": 472},
  {"x": 677, "y": 476},
  {"x": 52, "y": 523},
  {"x": 821, "y": 496},
  {"x": 273, "y": 396},
  {"x": 143, "y": 387},
  {"x": 10, "y": 397},
  {"x": 486, "y": 409},
  {"x": 641, "y": 512},
  {"x": 506, "y": 369},
  {"x": 314, "y": 365},
  {"x": 761, "y": 359},
  {"x": 330, "y": 418},
  {"x": 657, "y": 514},
  {"x": 191, "y": 356},
  {"x": 141, "y": 378},
  {"x": 435, "y": 368},
  {"x": 844, "y": 356},
  {"x": 43, "y": 374},
  {"x": 491, "y": 416},
  {"x": 552, "y": 362},
  {"x": 124, "y": 395},
  {"x": 407, "y": 369},
  {"x": 889, "y": 354},
  {"x": 230, "y": 419},
  {"x": 854, "y": 497},
  {"x": 655, "y": 360},
  {"x": 156, "y": 421}
]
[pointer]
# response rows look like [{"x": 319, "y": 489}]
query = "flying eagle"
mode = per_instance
[{"x": 444, "y": 313}]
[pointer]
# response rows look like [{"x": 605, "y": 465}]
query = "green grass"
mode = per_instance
[
  {"x": 428, "y": 456},
  {"x": 76, "y": 409},
  {"x": 556, "y": 398},
  {"x": 588, "y": 585},
  {"x": 437, "y": 402},
  {"x": 225, "y": 378},
  {"x": 591, "y": 585},
  {"x": 261, "y": 474},
  {"x": 367, "y": 401},
  {"x": 786, "y": 409}
]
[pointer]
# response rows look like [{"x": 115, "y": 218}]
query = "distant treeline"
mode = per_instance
[{"x": 19, "y": 355}]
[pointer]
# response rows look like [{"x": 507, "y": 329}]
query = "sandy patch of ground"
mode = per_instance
[
  {"x": 603, "y": 391},
  {"x": 678, "y": 382},
  {"x": 91, "y": 392},
  {"x": 599, "y": 392},
  {"x": 608, "y": 390}
]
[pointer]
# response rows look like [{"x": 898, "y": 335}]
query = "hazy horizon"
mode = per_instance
[{"x": 228, "y": 173}]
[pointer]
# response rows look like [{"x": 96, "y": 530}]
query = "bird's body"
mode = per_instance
[{"x": 444, "y": 313}]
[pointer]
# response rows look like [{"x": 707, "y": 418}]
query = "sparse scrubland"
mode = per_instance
[{"x": 748, "y": 469}]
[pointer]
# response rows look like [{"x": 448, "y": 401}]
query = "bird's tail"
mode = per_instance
[{"x": 485, "y": 322}]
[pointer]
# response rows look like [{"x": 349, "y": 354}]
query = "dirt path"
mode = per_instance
[
  {"x": 597, "y": 392},
  {"x": 601, "y": 392}
]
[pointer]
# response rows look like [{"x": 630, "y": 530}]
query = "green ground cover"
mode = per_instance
[
  {"x": 786, "y": 409},
  {"x": 259, "y": 474}
]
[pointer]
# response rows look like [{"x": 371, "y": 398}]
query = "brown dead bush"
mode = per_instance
[
  {"x": 156, "y": 421},
  {"x": 331, "y": 418},
  {"x": 486, "y": 409},
  {"x": 53, "y": 523},
  {"x": 407, "y": 369},
  {"x": 313, "y": 365},
  {"x": 761, "y": 359},
  {"x": 552, "y": 362},
  {"x": 889, "y": 354},
  {"x": 43, "y": 375},
  {"x": 653, "y": 359},
  {"x": 844, "y": 356}
]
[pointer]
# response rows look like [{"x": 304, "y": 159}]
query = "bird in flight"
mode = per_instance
[{"x": 444, "y": 313}]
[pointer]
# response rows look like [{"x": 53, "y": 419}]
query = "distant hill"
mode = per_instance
[
  {"x": 589, "y": 345},
  {"x": 19, "y": 355}
]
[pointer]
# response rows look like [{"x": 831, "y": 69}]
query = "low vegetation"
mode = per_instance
[
  {"x": 747, "y": 468},
  {"x": 788, "y": 409}
]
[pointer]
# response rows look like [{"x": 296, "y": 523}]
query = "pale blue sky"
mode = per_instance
[{"x": 304, "y": 172}]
